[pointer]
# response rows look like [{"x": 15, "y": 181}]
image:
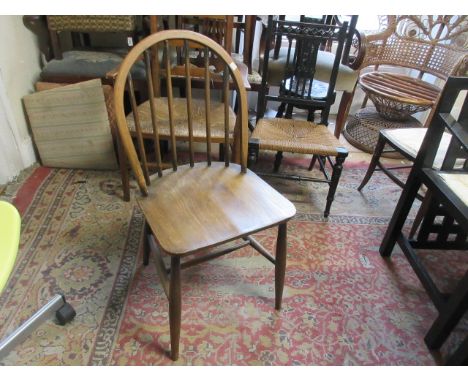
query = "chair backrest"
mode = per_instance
[
  {"x": 88, "y": 24},
  {"x": 433, "y": 44},
  {"x": 456, "y": 157},
  {"x": 189, "y": 41},
  {"x": 304, "y": 40}
]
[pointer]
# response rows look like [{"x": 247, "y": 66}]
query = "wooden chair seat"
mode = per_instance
[
  {"x": 180, "y": 119},
  {"x": 298, "y": 136},
  {"x": 196, "y": 208}
]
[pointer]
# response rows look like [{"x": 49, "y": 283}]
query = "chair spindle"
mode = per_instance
[
  {"x": 188, "y": 91},
  {"x": 226, "y": 114},
  {"x": 157, "y": 148},
  {"x": 170, "y": 102},
  {"x": 207, "y": 105},
  {"x": 136, "y": 118}
]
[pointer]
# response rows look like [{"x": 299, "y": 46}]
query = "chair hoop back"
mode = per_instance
[{"x": 123, "y": 82}]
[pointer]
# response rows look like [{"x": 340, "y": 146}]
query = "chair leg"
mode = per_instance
[
  {"x": 312, "y": 162},
  {"x": 400, "y": 214},
  {"x": 175, "y": 309},
  {"x": 335, "y": 178},
  {"x": 343, "y": 111},
  {"x": 460, "y": 356},
  {"x": 374, "y": 161},
  {"x": 280, "y": 263},
  {"x": 221, "y": 152},
  {"x": 278, "y": 159},
  {"x": 123, "y": 166},
  {"x": 280, "y": 112},
  {"x": 449, "y": 316},
  {"x": 420, "y": 214}
]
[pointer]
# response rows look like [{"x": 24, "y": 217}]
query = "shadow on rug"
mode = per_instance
[{"x": 343, "y": 304}]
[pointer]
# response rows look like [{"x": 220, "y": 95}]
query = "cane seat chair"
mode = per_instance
[
  {"x": 300, "y": 88},
  {"x": 445, "y": 222},
  {"x": 199, "y": 209}
]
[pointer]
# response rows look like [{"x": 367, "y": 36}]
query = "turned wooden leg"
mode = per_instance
[
  {"x": 280, "y": 263},
  {"x": 335, "y": 178},
  {"x": 175, "y": 308}
]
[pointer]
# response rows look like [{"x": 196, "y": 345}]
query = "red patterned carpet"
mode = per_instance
[{"x": 343, "y": 303}]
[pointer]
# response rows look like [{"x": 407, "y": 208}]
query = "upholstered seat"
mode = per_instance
[
  {"x": 458, "y": 183},
  {"x": 345, "y": 81},
  {"x": 410, "y": 140},
  {"x": 180, "y": 119},
  {"x": 87, "y": 64}
]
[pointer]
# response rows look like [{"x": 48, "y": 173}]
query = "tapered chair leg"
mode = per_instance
[
  {"x": 312, "y": 162},
  {"x": 374, "y": 161},
  {"x": 175, "y": 308},
  {"x": 280, "y": 263},
  {"x": 335, "y": 178}
]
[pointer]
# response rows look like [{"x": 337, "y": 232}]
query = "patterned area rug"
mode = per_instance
[{"x": 343, "y": 303}]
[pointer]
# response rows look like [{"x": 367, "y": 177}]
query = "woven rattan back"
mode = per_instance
[
  {"x": 190, "y": 42},
  {"x": 432, "y": 44}
]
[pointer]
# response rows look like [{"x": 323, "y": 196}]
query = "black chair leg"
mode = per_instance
[
  {"x": 280, "y": 112},
  {"x": 312, "y": 162},
  {"x": 278, "y": 158},
  {"x": 374, "y": 161},
  {"x": 335, "y": 178},
  {"x": 451, "y": 313},
  {"x": 400, "y": 214},
  {"x": 460, "y": 356}
]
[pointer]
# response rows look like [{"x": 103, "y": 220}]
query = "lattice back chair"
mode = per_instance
[
  {"x": 198, "y": 208},
  {"x": 347, "y": 77},
  {"x": 445, "y": 223},
  {"x": 428, "y": 44},
  {"x": 86, "y": 60},
  {"x": 299, "y": 88}
]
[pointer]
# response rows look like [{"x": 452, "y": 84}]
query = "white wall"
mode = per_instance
[{"x": 19, "y": 70}]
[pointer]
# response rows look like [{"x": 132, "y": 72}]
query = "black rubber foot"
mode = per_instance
[{"x": 65, "y": 314}]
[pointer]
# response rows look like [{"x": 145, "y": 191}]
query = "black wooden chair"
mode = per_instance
[
  {"x": 299, "y": 88},
  {"x": 445, "y": 222}
]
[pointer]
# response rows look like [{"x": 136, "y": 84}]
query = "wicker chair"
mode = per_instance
[{"x": 426, "y": 45}]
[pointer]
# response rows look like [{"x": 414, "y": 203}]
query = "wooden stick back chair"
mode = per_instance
[{"x": 197, "y": 210}]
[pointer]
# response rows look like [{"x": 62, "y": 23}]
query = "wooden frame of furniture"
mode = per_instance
[
  {"x": 197, "y": 210},
  {"x": 445, "y": 222},
  {"x": 298, "y": 89}
]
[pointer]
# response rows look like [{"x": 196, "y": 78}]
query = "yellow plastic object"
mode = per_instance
[{"x": 10, "y": 227}]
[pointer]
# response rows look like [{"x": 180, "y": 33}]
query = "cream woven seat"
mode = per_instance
[
  {"x": 180, "y": 119},
  {"x": 296, "y": 136}
]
